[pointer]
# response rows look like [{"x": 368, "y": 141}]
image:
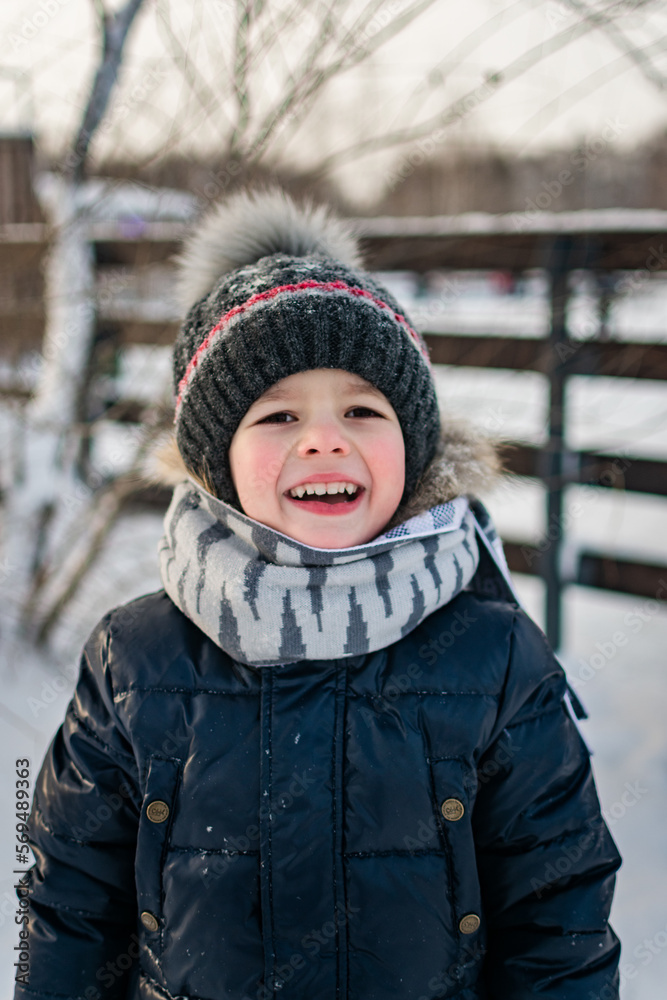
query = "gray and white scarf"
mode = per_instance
[{"x": 267, "y": 599}]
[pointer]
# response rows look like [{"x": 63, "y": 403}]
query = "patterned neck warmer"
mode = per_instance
[{"x": 268, "y": 599}]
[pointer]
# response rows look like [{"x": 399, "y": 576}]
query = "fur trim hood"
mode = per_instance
[
  {"x": 256, "y": 224},
  {"x": 466, "y": 462}
]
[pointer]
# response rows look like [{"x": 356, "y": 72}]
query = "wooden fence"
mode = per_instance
[{"x": 598, "y": 241}]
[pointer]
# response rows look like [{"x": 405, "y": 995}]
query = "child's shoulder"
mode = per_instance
[
  {"x": 133, "y": 639},
  {"x": 490, "y": 643},
  {"x": 472, "y": 621},
  {"x": 143, "y": 614}
]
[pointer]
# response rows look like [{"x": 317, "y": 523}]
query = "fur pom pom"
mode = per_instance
[{"x": 252, "y": 225}]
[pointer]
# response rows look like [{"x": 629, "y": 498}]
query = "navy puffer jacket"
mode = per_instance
[{"x": 415, "y": 823}]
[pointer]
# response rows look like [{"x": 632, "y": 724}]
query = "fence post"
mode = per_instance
[{"x": 553, "y": 458}]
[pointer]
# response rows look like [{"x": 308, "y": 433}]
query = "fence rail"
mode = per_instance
[
  {"x": 576, "y": 357},
  {"x": 638, "y": 475},
  {"x": 598, "y": 241},
  {"x": 595, "y": 569}
]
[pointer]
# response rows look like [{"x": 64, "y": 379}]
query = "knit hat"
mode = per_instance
[{"x": 277, "y": 289}]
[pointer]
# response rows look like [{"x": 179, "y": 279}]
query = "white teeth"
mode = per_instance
[{"x": 319, "y": 489}]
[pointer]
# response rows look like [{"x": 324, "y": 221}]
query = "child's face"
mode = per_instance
[{"x": 322, "y": 427}]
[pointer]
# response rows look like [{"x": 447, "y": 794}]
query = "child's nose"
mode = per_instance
[{"x": 323, "y": 436}]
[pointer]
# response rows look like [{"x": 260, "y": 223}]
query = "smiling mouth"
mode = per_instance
[
  {"x": 335, "y": 498},
  {"x": 334, "y": 493},
  {"x": 324, "y": 504}
]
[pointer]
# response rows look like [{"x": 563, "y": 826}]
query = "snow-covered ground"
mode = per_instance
[{"x": 614, "y": 645}]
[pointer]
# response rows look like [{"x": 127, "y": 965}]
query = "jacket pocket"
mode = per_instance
[
  {"x": 453, "y": 787},
  {"x": 155, "y": 822}
]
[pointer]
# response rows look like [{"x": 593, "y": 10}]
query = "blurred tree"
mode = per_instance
[{"x": 39, "y": 509}]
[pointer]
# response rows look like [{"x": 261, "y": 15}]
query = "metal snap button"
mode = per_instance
[
  {"x": 452, "y": 809},
  {"x": 157, "y": 811},
  {"x": 149, "y": 920},
  {"x": 469, "y": 924}
]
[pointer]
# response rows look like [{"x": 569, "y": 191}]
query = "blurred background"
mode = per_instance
[{"x": 506, "y": 162}]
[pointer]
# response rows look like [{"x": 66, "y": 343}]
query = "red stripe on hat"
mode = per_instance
[{"x": 323, "y": 286}]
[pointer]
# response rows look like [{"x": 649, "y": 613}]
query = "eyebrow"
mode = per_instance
[{"x": 276, "y": 392}]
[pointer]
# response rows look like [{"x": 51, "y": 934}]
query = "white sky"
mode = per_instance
[{"x": 49, "y": 48}]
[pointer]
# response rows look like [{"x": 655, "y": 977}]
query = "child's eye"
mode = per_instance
[
  {"x": 277, "y": 418},
  {"x": 363, "y": 411}
]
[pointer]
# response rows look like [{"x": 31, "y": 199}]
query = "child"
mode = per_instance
[{"x": 331, "y": 760}]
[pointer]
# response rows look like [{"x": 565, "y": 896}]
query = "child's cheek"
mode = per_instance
[
  {"x": 262, "y": 464},
  {"x": 387, "y": 457}
]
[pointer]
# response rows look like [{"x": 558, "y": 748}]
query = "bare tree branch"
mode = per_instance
[
  {"x": 104, "y": 517},
  {"x": 609, "y": 27},
  {"x": 352, "y": 55},
  {"x": 437, "y": 75},
  {"x": 240, "y": 75},
  {"x": 581, "y": 88},
  {"x": 63, "y": 573},
  {"x": 287, "y": 106},
  {"x": 207, "y": 97},
  {"x": 274, "y": 30},
  {"x": 99, "y": 8},
  {"x": 115, "y": 30},
  {"x": 458, "y": 109}
]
